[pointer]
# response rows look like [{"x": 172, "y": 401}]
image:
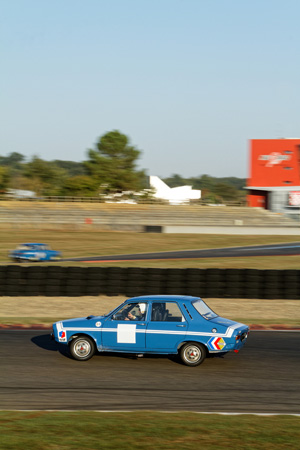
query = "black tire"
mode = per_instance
[
  {"x": 55, "y": 272},
  {"x": 82, "y": 348},
  {"x": 31, "y": 291},
  {"x": 52, "y": 291},
  {"x": 92, "y": 290},
  {"x": 291, "y": 294},
  {"x": 192, "y": 354},
  {"x": 193, "y": 291}
]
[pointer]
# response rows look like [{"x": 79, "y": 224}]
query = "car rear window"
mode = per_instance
[{"x": 204, "y": 310}]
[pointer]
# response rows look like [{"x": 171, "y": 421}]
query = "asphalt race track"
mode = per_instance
[
  {"x": 262, "y": 378},
  {"x": 228, "y": 252}
]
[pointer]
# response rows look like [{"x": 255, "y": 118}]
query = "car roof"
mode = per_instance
[
  {"x": 170, "y": 298},
  {"x": 33, "y": 243}
]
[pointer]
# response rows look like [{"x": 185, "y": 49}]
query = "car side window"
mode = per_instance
[
  {"x": 132, "y": 312},
  {"x": 166, "y": 312}
]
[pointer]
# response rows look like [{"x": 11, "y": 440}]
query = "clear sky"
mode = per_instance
[{"x": 189, "y": 81}]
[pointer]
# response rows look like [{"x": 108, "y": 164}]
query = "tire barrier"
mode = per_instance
[{"x": 56, "y": 281}]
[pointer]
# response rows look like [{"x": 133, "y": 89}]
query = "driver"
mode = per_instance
[{"x": 139, "y": 314}]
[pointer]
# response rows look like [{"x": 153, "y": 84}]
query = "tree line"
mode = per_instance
[
  {"x": 213, "y": 189},
  {"x": 110, "y": 168}
]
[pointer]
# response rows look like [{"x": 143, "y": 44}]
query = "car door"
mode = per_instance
[
  {"x": 166, "y": 328},
  {"x": 125, "y": 330}
]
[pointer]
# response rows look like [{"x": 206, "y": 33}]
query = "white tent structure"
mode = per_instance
[{"x": 175, "y": 196}]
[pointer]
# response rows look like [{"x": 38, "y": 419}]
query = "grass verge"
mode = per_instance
[
  {"x": 95, "y": 243},
  {"x": 46, "y": 310},
  {"x": 145, "y": 430}
]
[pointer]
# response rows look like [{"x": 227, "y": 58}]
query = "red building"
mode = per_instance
[{"x": 274, "y": 180}]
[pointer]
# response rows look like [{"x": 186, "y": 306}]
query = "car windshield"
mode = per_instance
[
  {"x": 112, "y": 311},
  {"x": 22, "y": 247},
  {"x": 204, "y": 310},
  {"x": 131, "y": 311}
]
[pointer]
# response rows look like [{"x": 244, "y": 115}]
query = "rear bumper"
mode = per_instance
[{"x": 240, "y": 340}]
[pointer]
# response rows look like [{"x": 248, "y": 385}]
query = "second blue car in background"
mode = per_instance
[{"x": 34, "y": 252}]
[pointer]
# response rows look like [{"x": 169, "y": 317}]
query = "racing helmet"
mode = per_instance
[{"x": 142, "y": 307}]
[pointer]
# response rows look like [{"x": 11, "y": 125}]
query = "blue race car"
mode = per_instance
[
  {"x": 156, "y": 324},
  {"x": 34, "y": 252}
]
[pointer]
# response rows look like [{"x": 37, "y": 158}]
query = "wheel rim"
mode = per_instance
[
  {"x": 192, "y": 354},
  {"x": 82, "y": 348}
]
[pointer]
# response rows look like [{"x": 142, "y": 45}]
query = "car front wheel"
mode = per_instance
[
  {"x": 82, "y": 348},
  {"x": 192, "y": 354}
]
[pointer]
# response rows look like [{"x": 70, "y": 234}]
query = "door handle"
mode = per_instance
[
  {"x": 180, "y": 325},
  {"x": 143, "y": 324}
]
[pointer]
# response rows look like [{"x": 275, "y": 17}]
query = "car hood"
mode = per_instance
[{"x": 82, "y": 322}]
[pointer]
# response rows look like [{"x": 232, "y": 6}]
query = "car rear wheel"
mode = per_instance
[
  {"x": 82, "y": 348},
  {"x": 192, "y": 354}
]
